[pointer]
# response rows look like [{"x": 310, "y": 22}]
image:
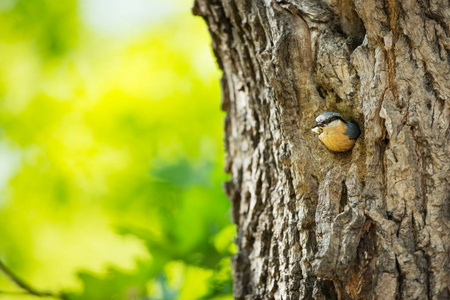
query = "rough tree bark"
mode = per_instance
[{"x": 372, "y": 223}]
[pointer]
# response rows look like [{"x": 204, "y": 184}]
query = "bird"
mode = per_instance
[{"x": 335, "y": 133}]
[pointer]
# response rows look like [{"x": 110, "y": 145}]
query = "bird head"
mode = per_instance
[{"x": 326, "y": 121}]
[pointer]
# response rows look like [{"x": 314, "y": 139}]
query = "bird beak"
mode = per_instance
[{"x": 316, "y": 129}]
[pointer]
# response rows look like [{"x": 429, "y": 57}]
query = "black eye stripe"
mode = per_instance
[{"x": 328, "y": 121}]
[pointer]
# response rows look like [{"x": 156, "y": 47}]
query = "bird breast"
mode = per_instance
[{"x": 333, "y": 136}]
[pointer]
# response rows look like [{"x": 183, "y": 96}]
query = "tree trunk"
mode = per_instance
[{"x": 372, "y": 223}]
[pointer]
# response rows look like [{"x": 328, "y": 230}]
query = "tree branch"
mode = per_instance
[{"x": 25, "y": 286}]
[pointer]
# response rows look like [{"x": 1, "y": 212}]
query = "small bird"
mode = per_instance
[{"x": 337, "y": 134}]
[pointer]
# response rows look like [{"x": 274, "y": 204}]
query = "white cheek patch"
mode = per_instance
[{"x": 335, "y": 123}]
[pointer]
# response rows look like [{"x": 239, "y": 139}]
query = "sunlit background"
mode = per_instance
[{"x": 111, "y": 151}]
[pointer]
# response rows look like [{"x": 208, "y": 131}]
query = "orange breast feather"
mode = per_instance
[{"x": 335, "y": 139}]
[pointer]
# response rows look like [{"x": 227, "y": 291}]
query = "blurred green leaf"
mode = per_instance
[
  {"x": 182, "y": 174},
  {"x": 117, "y": 154}
]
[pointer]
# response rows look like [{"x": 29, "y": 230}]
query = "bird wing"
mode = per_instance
[{"x": 352, "y": 131}]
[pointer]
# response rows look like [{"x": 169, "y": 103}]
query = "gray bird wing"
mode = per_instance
[{"x": 352, "y": 131}]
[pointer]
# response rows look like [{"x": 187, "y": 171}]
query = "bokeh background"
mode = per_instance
[{"x": 111, "y": 151}]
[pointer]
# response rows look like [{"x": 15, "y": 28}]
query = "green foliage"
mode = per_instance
[{"x": 111, "y": 158}]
